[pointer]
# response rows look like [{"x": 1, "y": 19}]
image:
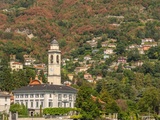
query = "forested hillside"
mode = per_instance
[{"x": 73, "y": 22}]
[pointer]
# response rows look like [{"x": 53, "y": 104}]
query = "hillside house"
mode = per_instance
[
  {"x": 40, "y": 67},
  {"x": 104, "y": 44},
  {"x": 112, "y": 45},
  {"x": 105, "y": 56},
  {"x": 16, "y": 66},
  {"x": 122, "y": 60},
  {"x": 92, "y": 43},
  {"x": 112, "y": 40},
  {"x": 91, "y": 80},
  {"x": 146, "y": 40},
  {"x": 30, "y": 36},
  {"x": 95, "y": 50},
  {"x": 99, "y": 77},
  {"x": 137, "y": 63},
  {"x": 127, "y": 67},
  {"x": 23, "y": 31},
  {"x": 133, "y": 46},
  {"x": 87, "y": 57},
  {"x": 28, "y": 60},
  {"x": 140, "y": 49},
  {"x": 80, "y": 69},
  {"x": 87, "y": 76},
  {"x": 70, "y": 76},
  {"x": 112, "y": 66},
  {"x": 146, "y": 47},
  {"x": 109, "y": 51},
  {"x": 64, "y": 60}
]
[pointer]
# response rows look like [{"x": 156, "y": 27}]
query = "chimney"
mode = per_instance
[{"x": 30, "y": 80}]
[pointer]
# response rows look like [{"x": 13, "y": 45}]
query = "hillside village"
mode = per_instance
[
  {"x": 107, "y": 50},
  {"x": 84, "y": 65}
]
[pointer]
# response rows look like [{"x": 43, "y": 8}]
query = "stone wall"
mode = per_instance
[{"x": 57, "y": 118}]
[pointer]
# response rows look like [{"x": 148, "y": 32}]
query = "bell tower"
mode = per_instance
[{"x": 54, "y": 64}]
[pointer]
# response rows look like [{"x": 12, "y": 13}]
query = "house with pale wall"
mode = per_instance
[
  {"x": 4, "y": 102},
  {"x": 137, "y": 63},
  {"x": 104, "y": 44},
  {"x": 28, "y": 60},
  {"x": 87, "y": 57},
  {"x": 99, "y": 77},
  {"x": 122, "y": 60},
  {"x": 93, "y": 42},
  {"x": 109, "y": 51},
  {"x": 40, "y": 67},
  {"x": 147, "y": 40},
  {"x": 91, "y": 80},
  {"x": 87, "y": 76},
  {"x": 70, "y": 76},
  {"x": 80, "y": 69},
  {"x": 64, "y": 60},
  {"x": 112, "y": 45},
  {"x": 16, "y": 66}
]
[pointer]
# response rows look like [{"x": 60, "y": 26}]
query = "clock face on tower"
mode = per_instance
[{"x": 51, "y": 71}]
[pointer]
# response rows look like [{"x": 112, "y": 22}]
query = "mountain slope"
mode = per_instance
[{"x": 72, "y": 21}]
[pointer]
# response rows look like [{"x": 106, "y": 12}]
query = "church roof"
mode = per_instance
[
  {"x": 54, "y": 41},
  {"x": 45, "y": 88},
  {"x": 36, "y": 81}
]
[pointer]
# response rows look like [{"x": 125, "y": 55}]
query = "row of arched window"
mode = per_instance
[{"x": 57, "y": 59}]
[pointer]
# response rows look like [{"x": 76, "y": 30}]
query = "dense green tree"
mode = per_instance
[
  {"x": 154, "y": 52},
  {"x": 62, "y": 43},
  {"x": 150, "y": 100},
  {"x": 129, "y": 74},
  {"x": 138, "y": 81},
  {"x": 6, "y": 80},
  {"x": 21, "y": 109},
  {"x": 30, "y": 73},
  {"x": 42, "y": 76},
  {"x": 120, "y": 49},
  {"x": 133, "y": 55},
  {"x": 70, "y": 66},
  {"x": 120, "y": 68},
  {"x": 88, "y": 106},
  {"x": 148, "y": 67},
  {"x": 87, "y": 46},
  {"x": 110, "y": 104},
  {"x": 157, "y": 69},
  {"x": 148, "y": 80}
]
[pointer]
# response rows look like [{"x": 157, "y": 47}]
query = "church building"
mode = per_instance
[{"x": 53, "y": 94}]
